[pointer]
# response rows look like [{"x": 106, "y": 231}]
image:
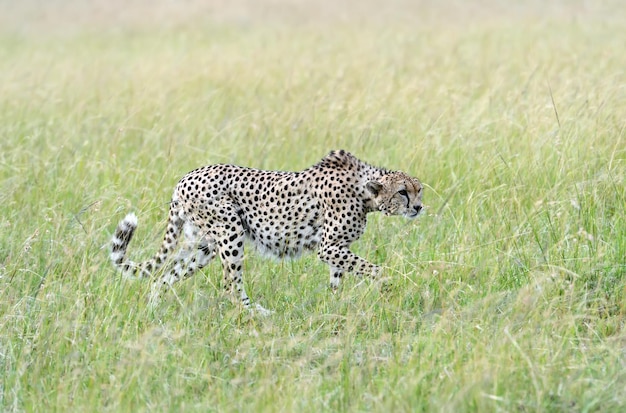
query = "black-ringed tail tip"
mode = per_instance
[{"x": 121, "y": 238}]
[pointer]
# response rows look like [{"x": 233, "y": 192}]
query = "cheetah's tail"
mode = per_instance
[{"x": 119, "y": 245}]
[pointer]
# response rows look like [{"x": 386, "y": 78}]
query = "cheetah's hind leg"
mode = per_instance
[{"x": 196, "y": 252}]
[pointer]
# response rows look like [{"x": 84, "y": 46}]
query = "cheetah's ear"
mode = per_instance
[{"x": 374, "y": 187}]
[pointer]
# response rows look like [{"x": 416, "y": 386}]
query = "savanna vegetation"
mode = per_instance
[{"x": 508, "y": 294}]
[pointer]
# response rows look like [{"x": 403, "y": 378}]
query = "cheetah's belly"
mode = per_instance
[{"x": 285, "y": 236}]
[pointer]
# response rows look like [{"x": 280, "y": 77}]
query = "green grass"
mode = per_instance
[{"x": 508, "y": 294}]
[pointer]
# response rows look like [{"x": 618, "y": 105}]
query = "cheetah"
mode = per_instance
[{"x": 282, "y": 214}]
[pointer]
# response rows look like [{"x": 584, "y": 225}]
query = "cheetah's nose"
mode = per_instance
[{"x": 417, "y": 208}]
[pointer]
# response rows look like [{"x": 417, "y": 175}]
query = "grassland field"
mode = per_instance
[{"x": 508, "y": 294}]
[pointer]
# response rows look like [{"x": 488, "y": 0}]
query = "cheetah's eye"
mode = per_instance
[{"x": 403, "y": 192}]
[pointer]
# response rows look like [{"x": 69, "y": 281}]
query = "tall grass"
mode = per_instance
[{"x": 508, "y": 295}]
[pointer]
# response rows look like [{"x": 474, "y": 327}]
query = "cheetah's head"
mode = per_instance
[{"x": 397, "y": 194}]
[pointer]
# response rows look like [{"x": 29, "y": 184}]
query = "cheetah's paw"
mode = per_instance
[{"x": 259, "y": 309}]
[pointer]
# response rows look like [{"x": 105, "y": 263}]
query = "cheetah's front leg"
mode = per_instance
[{"x": 341, "y": 259}]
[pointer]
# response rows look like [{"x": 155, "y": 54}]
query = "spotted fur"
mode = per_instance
[{"x": 283, "y": 214}]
